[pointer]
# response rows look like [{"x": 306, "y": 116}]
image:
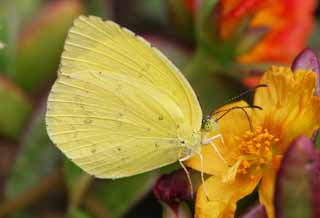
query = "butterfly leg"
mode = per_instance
[
  {"x": 218, "y": 136},
  {"x": 202, "y": 175},
  {"x": 210, "y": 141},
  {"x": 188, "y": 176}
]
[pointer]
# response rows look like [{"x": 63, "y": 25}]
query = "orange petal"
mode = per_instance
[
  {"x": 191, "y": 5},
  {"x": 233, "y": 11},
  {"x": 289, "y": 107},
  {"x": 222, "y": 196},
  {"x": 290, "y": 23},
  {"x": 266, "y": 190},
  {"x": 251, "y": 81},
  {"x": 233, "y": 123}
]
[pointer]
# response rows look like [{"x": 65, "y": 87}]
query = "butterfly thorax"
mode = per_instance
[{"x": 190, "y": 145}]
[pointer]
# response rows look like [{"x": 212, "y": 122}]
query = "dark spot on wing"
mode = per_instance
[
  {"x": 160, "y": 117},
  {"x": 87, "y": 121}
]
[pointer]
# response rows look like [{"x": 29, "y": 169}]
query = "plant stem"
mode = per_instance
[
  {"x": 34, "y": 194},
  {"x": 92, "y": 204},
  {"x": 78, "y": 191}
]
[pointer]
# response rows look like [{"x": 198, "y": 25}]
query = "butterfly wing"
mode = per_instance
[
  {"x": 95, "y": 45},
  {"x": 107, "y": 118}
]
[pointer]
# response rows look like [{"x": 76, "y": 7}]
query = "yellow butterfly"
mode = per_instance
[{"x": 119, "y": 107}]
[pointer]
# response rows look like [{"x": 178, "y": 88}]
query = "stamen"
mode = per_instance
[{"x": 255, "y": 149}]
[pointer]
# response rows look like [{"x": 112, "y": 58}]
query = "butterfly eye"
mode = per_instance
[{"x": 208, "y": 125}]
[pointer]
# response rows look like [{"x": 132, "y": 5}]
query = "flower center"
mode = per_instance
[{"x": 254, "y": 149}]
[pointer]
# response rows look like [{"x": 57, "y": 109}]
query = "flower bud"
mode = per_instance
[{"x": 173, "y": 188}]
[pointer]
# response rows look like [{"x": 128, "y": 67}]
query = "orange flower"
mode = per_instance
[
  {"x": 232, "y": 12},
  {"x": 191, "y": 4},
  {"x": 289, "y": 24},
  {"x": 253, "y": 152}
]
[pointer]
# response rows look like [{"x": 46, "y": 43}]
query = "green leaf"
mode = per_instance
[
  {"x": 178, "y": 55},
  {"x": 101, "y": 8},
  {"x": 78, "y": 213},
  {"x": 21, "y": 214},
  {"x": 314, "y": 38},
  {"x": 41, "y": 43},
  {"x": 9, "y": 23},
  {"x": 249, "y": 39},
  {"x": 211, "y": 83},
  {"x": 78, "y": 183},
  {"x": 152, "y": 10},
  {"x": 206, "y": 24},
  {"x": 35, "y": 160},
  {"x": 13, "y": 15},
  {"x": 71, "y": 172},
  {"x": 117, "y": 196},
  {"x": 182, "y": 18},
  {"x": 120, "y": 195},
  {"x": 15, "y": 108}
]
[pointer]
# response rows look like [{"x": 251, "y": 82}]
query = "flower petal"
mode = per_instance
[
  {"x": 232, "y": 12},
  {"x": 308, "y": 60},
  {"x": 290, "y": 23},
  {"x": 233, "y": 123},
  {"x": 222, "y": 196},
  {"x": 289, "y": 106},
  {"x": 266, "y": 190}
]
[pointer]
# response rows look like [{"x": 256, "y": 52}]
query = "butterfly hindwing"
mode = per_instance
[{"x": 118, "y": 107}]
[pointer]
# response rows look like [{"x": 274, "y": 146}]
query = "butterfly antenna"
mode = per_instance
[
  {"x": 226, "y": 111},
  {"x": 188, "y": 177},
  {"x": 246, "y": 92},
  {"x": 238, "y": 107}
]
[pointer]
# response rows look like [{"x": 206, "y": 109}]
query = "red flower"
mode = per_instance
[{"x": 289, "y": 22}]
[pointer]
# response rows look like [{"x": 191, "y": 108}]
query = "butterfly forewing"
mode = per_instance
[
  {"x": 95, "y": 45},
  {"x": 118, "y": 107}
]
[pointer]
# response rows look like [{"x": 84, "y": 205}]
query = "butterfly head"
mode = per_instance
[{"x": 209, "y": 124}]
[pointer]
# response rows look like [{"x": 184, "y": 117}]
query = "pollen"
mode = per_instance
[{"x": 254, "y": 150}]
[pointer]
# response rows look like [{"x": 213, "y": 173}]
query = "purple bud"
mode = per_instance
[
  {"x": 173, "y": 188},
  {"x": 308, "y": 60},
  {"x": 256, "y": 212},
  {"x": 297, "y": 191}
]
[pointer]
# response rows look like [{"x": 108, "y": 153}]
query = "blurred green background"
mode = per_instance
[{"x": 35, "y": 178}]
